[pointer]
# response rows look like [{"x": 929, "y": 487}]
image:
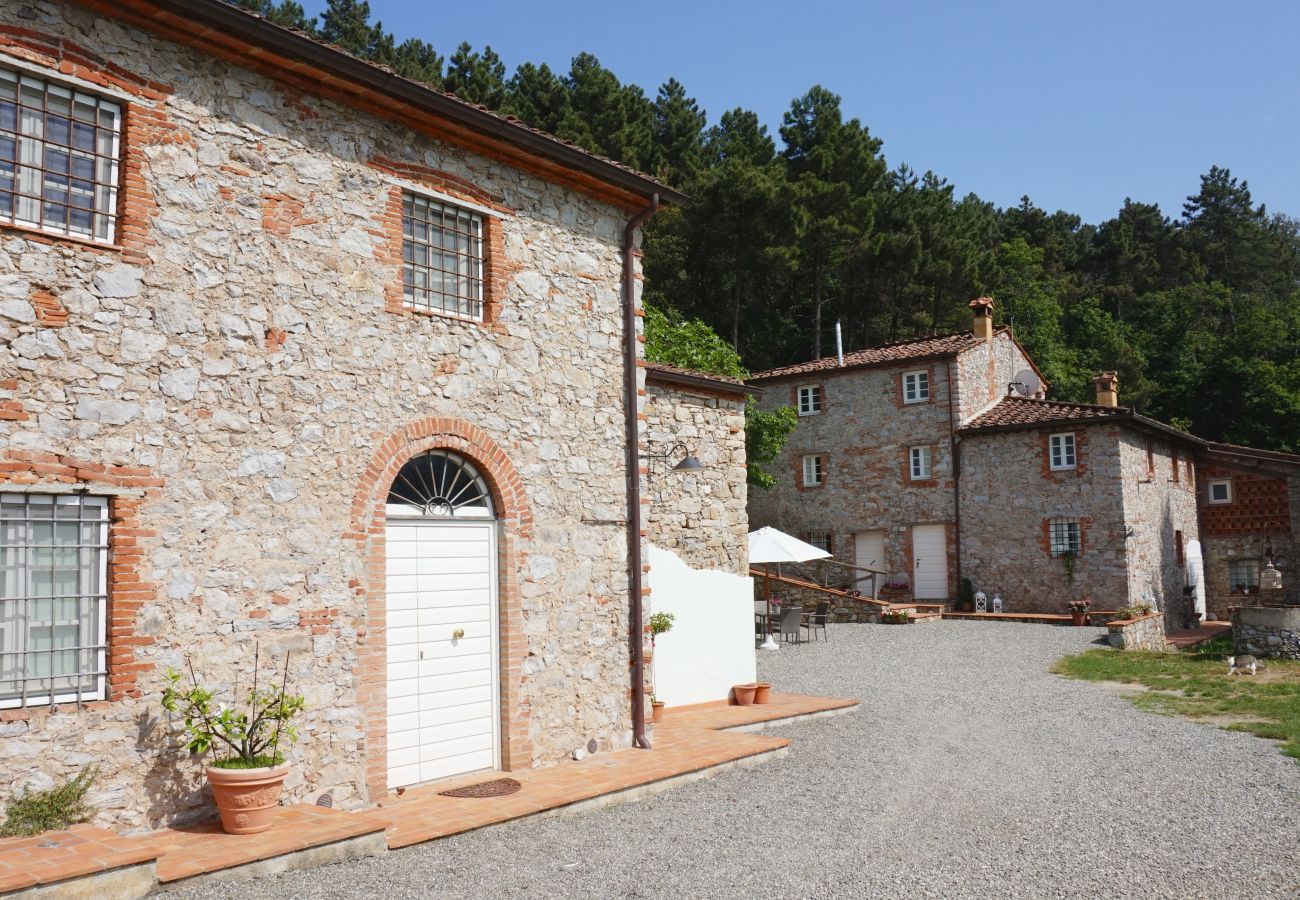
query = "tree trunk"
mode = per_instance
[{"x": 817, "y": 312}]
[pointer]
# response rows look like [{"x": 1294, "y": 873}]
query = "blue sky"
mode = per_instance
[{"x": 1076, "y": 104}]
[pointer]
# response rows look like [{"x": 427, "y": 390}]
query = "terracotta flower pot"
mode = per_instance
[
  {"x": 657, "y": 711},
  {"x": 745, "y": 694},
  {"x": 247, "y": 798},
  {"x": 1079, "y": 618},
  {"x": 761, "y": 692}
]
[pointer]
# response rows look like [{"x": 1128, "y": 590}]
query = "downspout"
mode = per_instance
[
  {"x": 632, "y": 464},
  {"x": 954, "y": 452}
]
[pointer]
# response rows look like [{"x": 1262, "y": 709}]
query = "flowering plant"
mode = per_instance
[{"x": 1080, "y": 606}]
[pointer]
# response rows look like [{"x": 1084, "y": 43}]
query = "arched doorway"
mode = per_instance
[{"x": 442, "y": 628}]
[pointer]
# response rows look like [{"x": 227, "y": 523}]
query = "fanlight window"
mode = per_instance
[{"x": 440, "y": 484}]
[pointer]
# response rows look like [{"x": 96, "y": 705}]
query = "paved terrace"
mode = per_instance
[{"x": 968, "y": 771}]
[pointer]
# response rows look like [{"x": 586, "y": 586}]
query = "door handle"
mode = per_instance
[{"x": 458, "y": 634}]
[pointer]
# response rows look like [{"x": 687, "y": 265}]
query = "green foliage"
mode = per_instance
[
  {"x": 34, "y": 812},
  {"x": 691, "y": 345},
  {"x": 765, "y": 435},
  {"x": 1195, "y": 683},
  {"x": 660, "y": 622},
  {"x": 966, "y": 594},
  {"x": 247, "y": 738}
]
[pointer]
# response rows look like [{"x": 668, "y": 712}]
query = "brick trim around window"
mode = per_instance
[
  {"x": 128, "y": 588},
  {"x": 798, "y": 470},
  {"x": 908, "y": 480},
  {"x": 1080, "y": 455},
  {"x": 498, "y": 271},
  {"x": 794, "y": 397},
  {"x": 899, "y": 390},
  {"x": 367, "y": 529},
  {"x": 144, "y": 123}
]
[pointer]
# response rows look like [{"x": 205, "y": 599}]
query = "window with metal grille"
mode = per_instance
[
  {"x": 1062, "y": 451},
  {"x": 812, "y": 471},
  {"x": 53, "y": 593},
  {"x": 1243, "y": 576},
  {"x": 810, "y": 399},
  {"x": 916, "y": 387},
  {"x": 1065, "y": 536},
  {"x": 920, "y": 464},
  {"x": 58, "y": 157},
  {"x": 819, "y": 538},
  {"x": 442, "y": 257}
]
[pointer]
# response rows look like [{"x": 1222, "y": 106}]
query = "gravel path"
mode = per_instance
[{"x": 968, "y": 771}]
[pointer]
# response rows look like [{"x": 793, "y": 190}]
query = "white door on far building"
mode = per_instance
[
  {"x": 869, "y": 551},
  {"x": 441, "y": 626},
  {"x": 930, "y": 562}
]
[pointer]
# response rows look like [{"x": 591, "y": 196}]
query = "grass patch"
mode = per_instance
[{"x": 1195, "y": 683}]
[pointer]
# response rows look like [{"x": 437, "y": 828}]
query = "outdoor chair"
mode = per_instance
[
  {"x": 791, "y": 619},
  {"x": 816, "y": 620}
]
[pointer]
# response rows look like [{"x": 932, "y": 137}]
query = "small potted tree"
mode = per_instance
[
  {"x": 660, "y": 623},
  {"x": 248, "y": 774},
  {"x": 1079, "y": 611}
]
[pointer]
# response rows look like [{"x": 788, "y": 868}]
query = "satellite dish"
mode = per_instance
[{"x": 1026, "y": 383}]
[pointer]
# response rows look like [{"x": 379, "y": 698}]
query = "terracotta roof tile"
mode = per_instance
[
  {"x": 722, "y": 382},
  {"x": 884, "y": 355},
  {"x": 1016, "y": 411}
]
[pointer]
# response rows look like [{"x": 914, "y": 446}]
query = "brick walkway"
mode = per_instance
[
  {"x": 690, "y": 742},
  {"x": 1179, "y": 640}
]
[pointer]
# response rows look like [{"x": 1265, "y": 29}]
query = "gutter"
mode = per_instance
[
  {"x": 632, "y": 462},
  {"x": 954, "y": 453}
]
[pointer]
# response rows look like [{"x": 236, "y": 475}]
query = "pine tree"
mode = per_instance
[{"x": 476, "y": 77}]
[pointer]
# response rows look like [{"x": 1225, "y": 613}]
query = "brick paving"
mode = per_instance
[
  {"x": 1198, "y": 635},
  {"x": 57, "y": 856}
]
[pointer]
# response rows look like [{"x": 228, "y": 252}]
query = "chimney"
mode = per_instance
[
  {"x": 982, "y": 312},
  {"x": 1107, "y": 385}
]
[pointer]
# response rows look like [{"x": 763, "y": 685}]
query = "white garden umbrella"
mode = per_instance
[{"x": 767, "y": 545}]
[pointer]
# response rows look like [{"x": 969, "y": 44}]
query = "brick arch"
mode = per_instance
[{"x": 367, "y": 528}]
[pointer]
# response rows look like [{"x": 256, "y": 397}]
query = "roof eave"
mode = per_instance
[
  {"x": 855, "y": 367},
  {"x": 700, "y": 383}
]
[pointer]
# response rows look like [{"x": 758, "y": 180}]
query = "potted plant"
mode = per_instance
[
  {"x": 660, "y": 623},
  {"x": 248, "y": 774},
  {"x": 896, "y": 617},
  {"x": 762, "y": 692},
  {"x": 1079, "y": 611}
]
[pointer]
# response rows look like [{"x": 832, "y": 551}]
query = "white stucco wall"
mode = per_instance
[{"x": 711, "y": 645}]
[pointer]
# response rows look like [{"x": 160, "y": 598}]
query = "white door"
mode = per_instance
[
  {"x": 1195, "y": 562},
  {"x": 442, "y": 649},
  {"x": 869, "y": 551},
  {"x": 929, "y": 562}
]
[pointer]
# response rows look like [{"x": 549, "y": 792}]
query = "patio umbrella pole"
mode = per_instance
[{"x": 769, "y": 643}]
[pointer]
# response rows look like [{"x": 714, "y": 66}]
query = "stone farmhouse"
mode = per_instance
[
  {"x": 940, "y": 459},
  {"x": 299, "y": 354}
]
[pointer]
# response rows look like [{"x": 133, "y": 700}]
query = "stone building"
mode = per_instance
[
  {"x": 1250, "y": 513},
  {"x": 940, "y": 459},
  {"x": 868, "y": 473},
  {"x": 300, "y": 355}
]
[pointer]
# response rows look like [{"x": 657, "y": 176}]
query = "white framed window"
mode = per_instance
[
  {"x": 1061, "y": 451},
  {"x": 819, "y": 538},
  {"x": 59, "y": 150},
  {"x": 920, "y": 463},
  {"x": 810, "y": 399},
  {"x": 442, "y": 257},
  {"x": 1243, "y": 576},
  {"x": 1219, "y": 490},
  {"x": 916, "y": 387},
  {"x": 812, "y": 470},
  {"x": 1065, "y": 536},
  {"x": 53, "y": 595}
]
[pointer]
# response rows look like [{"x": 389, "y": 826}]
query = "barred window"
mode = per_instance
[
  {"x": 442, "y": 255},
  {"x": 810, "y": 399},
  {"x": 53, "y": 592},
  {"x": 58, "y": 157},
  {"x": 819, "y": 538},
  {"x": 1065, "y": 536},
  {"x": 1243, "y": 576}
]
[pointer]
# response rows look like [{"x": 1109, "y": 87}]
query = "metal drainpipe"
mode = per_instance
[
  {"x": 954, "y": 452},
  {"x": 632, "y": 451}
]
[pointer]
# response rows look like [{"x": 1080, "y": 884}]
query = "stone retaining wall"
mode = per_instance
[
  {"x": 1271, "y": 631},
  {"x": 1143, "y": 633}
]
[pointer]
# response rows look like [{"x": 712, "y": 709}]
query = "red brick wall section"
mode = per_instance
[
  {"x": 1259, "y": 504},
  {"x": 497, "y": 269},
  {"x": 516, "y": 519},
  {"x": 128, "y": 587},
  {"x": 49, "y": 311},
  {"x": 144, "y": 123},
  {"x": 282, "y": 213}
]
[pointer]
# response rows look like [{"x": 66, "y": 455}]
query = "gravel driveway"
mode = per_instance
[{"x": 968, "y": 771}]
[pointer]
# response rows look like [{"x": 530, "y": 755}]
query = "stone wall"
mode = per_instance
[
  {"x": 1160, "y": 508},
  {"x": 699, "y": 515},
  {"x": 1143, "y": 633},
  {"x": 1007, "y": 498},
  {"x": 244, "y": 368},
  {"x": 1267, "y": 631},
  {"x": 985, "y": 371}
]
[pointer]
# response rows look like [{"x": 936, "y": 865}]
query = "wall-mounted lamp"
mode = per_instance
[{"x": 687, "y": 463}]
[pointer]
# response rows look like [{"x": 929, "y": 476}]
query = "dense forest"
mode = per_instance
[{"x": 789, "y": 232}]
